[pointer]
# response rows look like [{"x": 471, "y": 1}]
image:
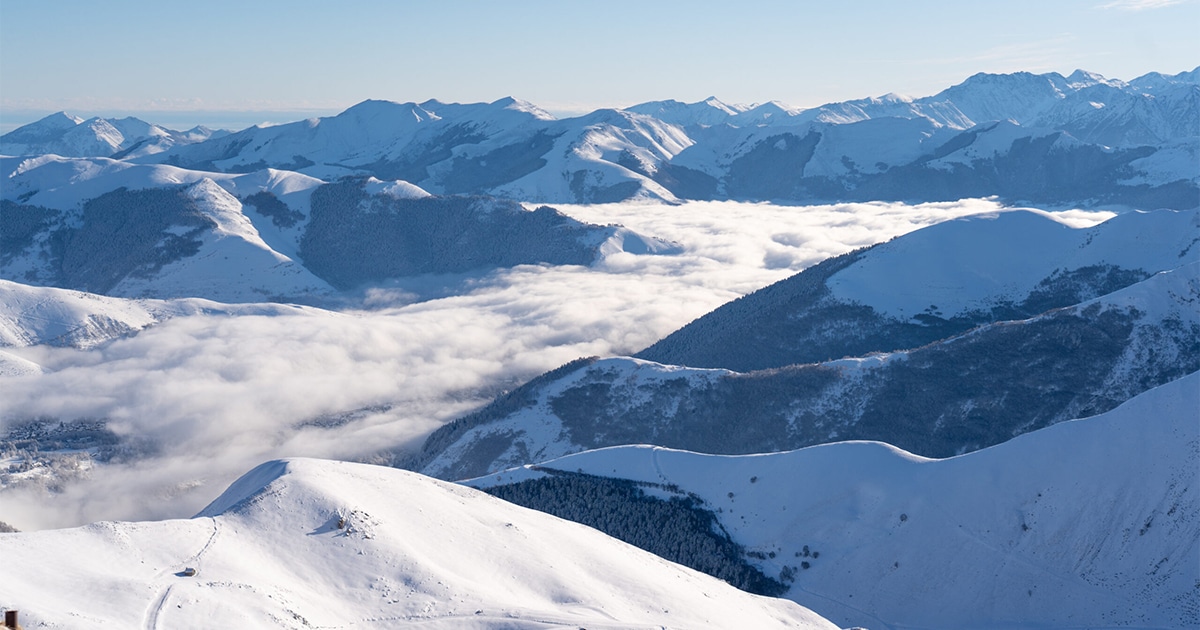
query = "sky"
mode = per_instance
[{"x": 236, "y": 63}]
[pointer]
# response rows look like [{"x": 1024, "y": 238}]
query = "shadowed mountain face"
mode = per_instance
[
  {"x": 122, "y": 233},
  {"x": 353, "y": 238}
]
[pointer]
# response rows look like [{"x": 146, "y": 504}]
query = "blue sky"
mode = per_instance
[{"x": 180, "y": 63}]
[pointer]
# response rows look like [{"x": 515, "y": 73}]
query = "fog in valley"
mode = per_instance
[{"x": 199, "y": 400}]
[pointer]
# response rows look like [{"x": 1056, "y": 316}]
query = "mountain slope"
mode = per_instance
[
  {"x": 1091, "y": 523},
  {"x": 929, "y": 284},
  {"x": 365, "y": 547},
  {"x": 954, "y": 396}
]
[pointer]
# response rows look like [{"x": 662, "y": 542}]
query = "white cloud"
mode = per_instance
[
  {"x": 1139, "y": 5},
  {"x": 218, "y": 395}
]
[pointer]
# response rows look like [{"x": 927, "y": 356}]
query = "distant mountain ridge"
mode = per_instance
[
  {"x": 117, "y": 138},
  {"x": 1040, "y": 139}
]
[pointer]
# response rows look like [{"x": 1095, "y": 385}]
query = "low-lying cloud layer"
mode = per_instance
[{"x": 213, "y": 396}]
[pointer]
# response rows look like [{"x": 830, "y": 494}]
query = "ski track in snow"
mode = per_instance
[
  {"x": 194, "y": 561},
  {"x": 156, "y": 609},
  {"x": 1010, "y": 556}
]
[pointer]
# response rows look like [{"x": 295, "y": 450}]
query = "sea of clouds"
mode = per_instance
[{"x": 209, "y": 397}]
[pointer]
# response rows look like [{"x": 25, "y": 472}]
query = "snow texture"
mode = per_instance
[
  {"x": 301, "y": 543},
  {"x": 1090, "y": 523}
]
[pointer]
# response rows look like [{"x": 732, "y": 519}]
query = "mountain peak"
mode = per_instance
[
  {"x": 59, "y": 120},
  {"x": 717, "y": 103},
  {"x": 373, "y": 108},
  {"x": 764, "y": 112},
  {"x": 53, "y": 125},
  {"x": 1083, "y": 78},
  {"x": 518, "y": 105},
  {"x": 373, "y": 104}
]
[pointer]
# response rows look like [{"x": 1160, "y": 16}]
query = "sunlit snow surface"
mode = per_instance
[
  {"x": 212, "y": 396},
  {"x": 1092, "y": 523},
  {"x": 318, "y": 544}
]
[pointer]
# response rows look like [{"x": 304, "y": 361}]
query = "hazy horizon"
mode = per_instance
[
  {"x": 238, "y": 119},
  {"x": 233, "y": 65}
]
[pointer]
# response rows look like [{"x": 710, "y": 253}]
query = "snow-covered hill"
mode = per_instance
[
  {"x": 1093, "y": 523},
  {"x": 308, "y": 543},
  {"x": 932, "y": 283},
  {"x": 191, "y": 240},
  {"x": 954, "y": 396},
  {"x": 60, "y": 317},
  {"x": 67, "y": 183},
  {"x": 129, "y": 230},
  {"x": 71, "y": 136},
  {"x": 13, "y": 365},
  {"x": 1040, "y": 139}
]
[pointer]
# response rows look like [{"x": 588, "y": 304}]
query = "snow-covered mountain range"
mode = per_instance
[
  {"x": 1091, "y": 523},
  {"x": 154, "y": 231},
  {"x": 310, "y": 543},
  {"x": 1092, "y": 339},
  {"x": 118, "y": 138},
  {"x": 1042, "y": 139}
]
